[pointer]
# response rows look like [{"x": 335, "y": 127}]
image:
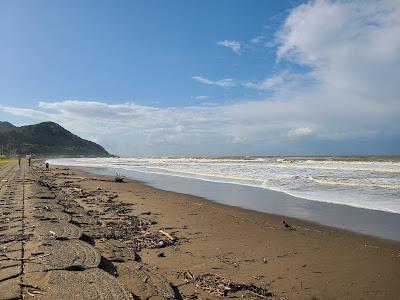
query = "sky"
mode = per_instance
[{"x": 190, "y": 78}]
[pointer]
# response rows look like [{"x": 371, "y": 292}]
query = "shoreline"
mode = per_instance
[
  {"x": 292, "y": 220},
  {"x": 269, "y": 189},
  {"x": 369, "y": 222},
  {"x": 248, "y": 246}
]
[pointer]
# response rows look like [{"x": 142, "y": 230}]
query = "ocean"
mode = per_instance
[
  {"x": 357, "y": 194},
  {"x": 370, "y": 183}
]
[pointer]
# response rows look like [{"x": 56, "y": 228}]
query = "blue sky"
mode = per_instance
[
  {"x": 141, "y": 51},
  {"x": 207, "y": 77}
]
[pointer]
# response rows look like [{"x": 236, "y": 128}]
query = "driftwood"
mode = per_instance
[
  {"x": 287, "y": 226},
  {"x": 118, "y": 178},
  {"x": 171, "y": 238},
  {"x": 221, "y": 287}
]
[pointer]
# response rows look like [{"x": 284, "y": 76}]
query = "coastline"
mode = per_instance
[
  {"x": 381, "y": 224},
  {"x": 248, "y": 246},
  {"x": 301, "y": 222}
]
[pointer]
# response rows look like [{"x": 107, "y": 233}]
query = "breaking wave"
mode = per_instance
[{"x": 360, "y": 182}]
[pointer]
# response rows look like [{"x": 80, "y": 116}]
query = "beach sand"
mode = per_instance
[{"x": 216, "y": 243}]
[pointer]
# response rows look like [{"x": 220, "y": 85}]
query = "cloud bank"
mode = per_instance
[{"x": 351, "y": 51}]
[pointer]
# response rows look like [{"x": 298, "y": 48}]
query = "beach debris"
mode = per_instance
[
  {"x": 132, "y": 230},
  {"x": 45, "y": 195},
  {"x": 152, "y": 240},
  {"x": 45, "y": 184},
  {"x": 31, "y": 290},
  {"x": 227, "y": 261},
  {"x": 118, "y": 178},
  {"x": 49, "y": 206},
  {"x": 287, "y": 226},
  {"x": 171, "y": 238},
  {"x": 219, "y": 286},
  {"x": 118, "y": 208}
]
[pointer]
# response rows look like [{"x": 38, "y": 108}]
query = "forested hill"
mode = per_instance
[{"x": 46, "y": 139}]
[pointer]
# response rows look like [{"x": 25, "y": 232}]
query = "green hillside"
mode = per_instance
[{"x": 45, "y": 139}]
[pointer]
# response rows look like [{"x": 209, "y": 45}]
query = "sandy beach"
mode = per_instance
[
  {"x": 200, "y": 150},
  {"x": 158, "y": 244}
]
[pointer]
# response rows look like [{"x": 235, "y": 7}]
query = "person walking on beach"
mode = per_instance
[
  {"x": 47, "y": 166},
  {"x": 29, "y": 161},
  {"x": 19, "y": 161}
]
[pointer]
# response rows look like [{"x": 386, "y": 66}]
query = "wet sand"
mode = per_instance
[
  {"x": 202, "y": 247},
  {"x": 366, "y": 221}
]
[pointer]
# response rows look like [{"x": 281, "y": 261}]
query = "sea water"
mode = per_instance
[{"x": 368, "y": 183}]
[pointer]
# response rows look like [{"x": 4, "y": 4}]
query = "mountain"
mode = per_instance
[
  {"x": 46, "y": 139},
  {"x": 4, "y": 126}
]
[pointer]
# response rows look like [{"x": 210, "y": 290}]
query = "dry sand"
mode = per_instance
[{"x": 234, "y": 246}]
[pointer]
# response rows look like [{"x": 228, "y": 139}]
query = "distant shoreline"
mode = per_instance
[{"x": 383, "y": 157}]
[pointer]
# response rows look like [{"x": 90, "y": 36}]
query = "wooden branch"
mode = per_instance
[{"x": 167, "y": 235}]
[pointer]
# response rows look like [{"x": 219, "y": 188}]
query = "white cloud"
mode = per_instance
[
  {"x": 268, "y": 83},
  {"x": 300, "y": 131},
  {"x": 209, "y": 104},
  {"x": 257, "y": 39},
  {"x": 228, "y": 82},
  {"x": 201, "y": 97},
  {"x": 23, "y": 112},
  {"x": 234, "y": 45},
  {"x": 282, "y": 80},
  {"x": 350, "y": 46}
]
